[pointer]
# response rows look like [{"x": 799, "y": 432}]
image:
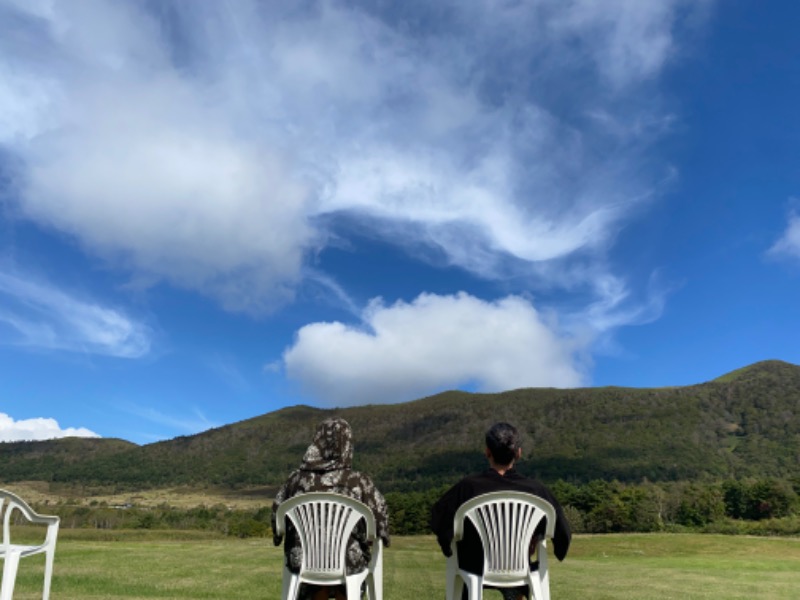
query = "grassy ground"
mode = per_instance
[
  {"x": 685, "y": 566},
  {"x": 138, "y": 565}
]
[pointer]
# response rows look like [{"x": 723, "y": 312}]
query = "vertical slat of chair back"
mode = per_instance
[
  {"x": 484, "y": 523},
  {"x": 506, "y": 528},
  {"x": 324, "y": 528},
  {"x": 334, "y": 547},
  {"x": 339, "y": 525},
  {"x": 299, "y": 516}
]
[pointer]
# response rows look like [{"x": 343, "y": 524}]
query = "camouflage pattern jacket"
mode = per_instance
[{"x": 326, "y": 467}]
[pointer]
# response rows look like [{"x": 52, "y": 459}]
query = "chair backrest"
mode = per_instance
[
  {"x": 324, "y": 522},
  {"x": 506, "y": 522},
  {"x": 10, "y": 502}
]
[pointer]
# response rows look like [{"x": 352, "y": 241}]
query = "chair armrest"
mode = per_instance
[
  {"x": 14, "y": 502},
  {"x": 48, "y": 520}
]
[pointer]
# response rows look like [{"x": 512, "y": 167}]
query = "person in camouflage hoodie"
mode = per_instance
[{"x": 327, "y": 467}]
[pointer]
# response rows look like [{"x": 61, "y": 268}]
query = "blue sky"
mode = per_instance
[{"x": 209, "y": 211}]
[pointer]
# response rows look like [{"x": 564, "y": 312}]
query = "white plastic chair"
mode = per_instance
[
  {"x": 11, "y": 553},
  {"x": 324, "y": 522},
  {"x": 505, "y": 522}
]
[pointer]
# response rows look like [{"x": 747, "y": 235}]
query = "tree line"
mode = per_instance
[
  {"x": 758, "y": 506},
  {"x": 766, "y": 506}
]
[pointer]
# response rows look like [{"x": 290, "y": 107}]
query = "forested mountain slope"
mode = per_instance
[{"x": 744, "y": 423}]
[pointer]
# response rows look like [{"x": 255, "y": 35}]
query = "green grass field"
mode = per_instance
[{"x": 144, "y": 564}]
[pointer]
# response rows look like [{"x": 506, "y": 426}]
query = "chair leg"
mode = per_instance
[
  {"x": 291, "y": 585},
  {"x": 48, "y": 571},
  {"x": 543, "y": 574},
  {"x": 353, "y": 587},
  {"x": 375, "y": 577},
  {"x": 475, "y": 586},
  {"x": 535, "y": 587},
  {"x": 10, "y": 565},
  {"x": 453, "y": 581},
  {"x": 375, "y": 587}
]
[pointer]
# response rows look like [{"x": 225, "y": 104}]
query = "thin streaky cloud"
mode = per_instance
[
  {"x": 194, "y": 423},
  {"x": 227, "y": 369},
  {"x": 40, "y": 316},
  {"x": 333, "y": 292}
]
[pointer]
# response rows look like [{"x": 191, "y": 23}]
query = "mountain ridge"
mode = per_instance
[{"x": 743, "y": 423}]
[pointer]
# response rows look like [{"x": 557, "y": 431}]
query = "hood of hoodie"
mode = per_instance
[{"x": 331, "y": 448}]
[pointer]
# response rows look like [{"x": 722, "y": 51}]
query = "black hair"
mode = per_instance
[{"x": 502, "y": 440}]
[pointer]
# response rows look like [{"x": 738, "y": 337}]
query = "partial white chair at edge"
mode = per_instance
[
  {"x": 324, "y": 522},
  {"x": 11, "y": 553},
  {"x": 506, "y": 522}
]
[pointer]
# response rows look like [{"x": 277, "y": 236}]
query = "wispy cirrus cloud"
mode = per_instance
[
  {"x": 192, "y": 422},
  {"x": 40, "y": 316},
  {"x": 12, "y": 430},
  {"x": 788, "y": 245},
  {"x": 201, "y": 145}
]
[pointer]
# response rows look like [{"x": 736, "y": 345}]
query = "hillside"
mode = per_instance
[{"x": 744, "y": 423}]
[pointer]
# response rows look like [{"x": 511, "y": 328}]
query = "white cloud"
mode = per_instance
[
  {"x": 41, "y": 316},
  {"x": 37, "y": 429},
  {"x": 789, "y": 243},
  {"x": 199, "y": 144},
  {"x": 628, "y": 40},
  {"x": 433, "y": 343}
]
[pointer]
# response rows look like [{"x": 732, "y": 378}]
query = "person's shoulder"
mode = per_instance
[
  {"x": 515, "y": 473},
  {"x": 469, "y": 485},
  {"x": 290, "y": 487},
  {"x": 293, "y": 477},
  {"x": 352, "y": 473},
  {"x": 480, "y": 475},
  {"x": 361, "y": 479},
  {"x": 533, "y": 485}
]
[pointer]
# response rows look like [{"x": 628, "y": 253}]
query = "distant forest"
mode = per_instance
[{"x": 621, "y": 458}]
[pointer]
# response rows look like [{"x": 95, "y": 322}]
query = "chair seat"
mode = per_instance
[{"x": 23, "y": 549}]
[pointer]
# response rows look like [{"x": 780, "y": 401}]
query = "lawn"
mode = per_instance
[{"x": 144, "y": 564}]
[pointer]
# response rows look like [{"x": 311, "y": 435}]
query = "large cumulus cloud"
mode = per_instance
[{"x": 433, "y": 343}]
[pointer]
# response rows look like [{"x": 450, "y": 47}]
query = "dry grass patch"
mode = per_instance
[{"x": 43, "y": 493}]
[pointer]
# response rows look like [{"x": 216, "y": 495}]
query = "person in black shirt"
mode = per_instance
[{"x": 502, "y": 451}]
